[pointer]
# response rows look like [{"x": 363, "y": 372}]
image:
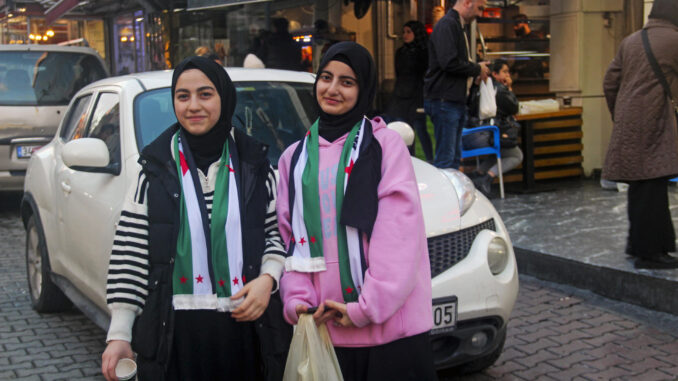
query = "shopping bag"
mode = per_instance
[
  {"x": 488, "y": 102},
  {"x": 311, "y": 356}
]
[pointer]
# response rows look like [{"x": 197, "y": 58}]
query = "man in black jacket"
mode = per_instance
[{"x": 448, "y": 78}]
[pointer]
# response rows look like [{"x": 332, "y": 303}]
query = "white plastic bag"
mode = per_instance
[
  {"x": 253, "y": 62},
  {"x": 488, "y": 101},
  {"x": 311, "y": 356}
]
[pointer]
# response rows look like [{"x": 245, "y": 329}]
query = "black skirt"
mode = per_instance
[
  {"x": 211, "y": 345},
  {"x": 407, "y": 359}
]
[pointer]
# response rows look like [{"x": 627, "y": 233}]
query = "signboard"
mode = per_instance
[{"x": 194, "y": 5}]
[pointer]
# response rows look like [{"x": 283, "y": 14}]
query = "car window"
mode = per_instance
[
  {"x": 105, "y": 124},
  {"x": 275, "y": 113},
  {"x": 34, "y": 78},
  {"x": 76, "y": 118}
]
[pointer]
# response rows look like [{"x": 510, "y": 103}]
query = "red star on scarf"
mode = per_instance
[
  {"x": 292, "y": 240},
  {"x": 349, "y": 168},
  {"x": 199, "y": 278},
  {"x": 308, "y": 132},
  {"x": 235, "y": 281},
  {"x": 221, "y": 283},
  {"x": 312, "y": 239},
  {"x": 182, "y": 162},
  {"x": 302, "y": 241},
  {"x": 229, "y": 168},
  {"x": 349, "y": 290},
  {"x": 183, "y": 279},
  {"x": 243, "y": 280}
]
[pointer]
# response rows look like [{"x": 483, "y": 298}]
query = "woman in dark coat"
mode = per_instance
[
  {"x": 411, "y": 62},
  {"x": 643, "y": 150}
]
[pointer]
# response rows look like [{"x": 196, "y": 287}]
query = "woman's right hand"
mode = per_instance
[
  {"x": 115, "y": 350},
  {"x": 320, "y": 316}
]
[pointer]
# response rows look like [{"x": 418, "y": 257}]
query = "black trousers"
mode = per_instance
[
  {"x": 410, "y": 358},
  {"x": 212, "y": 346},
  {"x": 650, "y": 227}
]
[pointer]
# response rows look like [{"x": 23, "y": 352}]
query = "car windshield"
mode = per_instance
[
  {"x": 275, "y": 113},
  {"x": 45, "y": 78}
]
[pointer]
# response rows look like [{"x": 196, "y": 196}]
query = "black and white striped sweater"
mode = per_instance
[{"x": 126, "y": 288}]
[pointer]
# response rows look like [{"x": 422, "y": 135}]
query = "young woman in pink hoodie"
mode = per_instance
[{"x": 349, "y": 212}]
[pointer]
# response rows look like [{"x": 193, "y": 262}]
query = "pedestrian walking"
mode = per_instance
[
  {"x": 278, "y": 49},
  {"x": 197, "y": 253},
  {"x": 643, "y": 149},
  {"x": 448, "y": 79},
  {"x": 350, "y": 213}
]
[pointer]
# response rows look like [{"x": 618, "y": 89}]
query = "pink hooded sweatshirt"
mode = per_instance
[{"x": 395, "y": 301}]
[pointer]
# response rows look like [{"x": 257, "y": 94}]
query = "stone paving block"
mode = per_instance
[
  {"x": 7, "y": 375},
  {"x": 536, "y": 372},
  {"x": 46, "y": 348},
  {"x": 567, "y": 349},
  {"x": 537, "y": 358},
  {"x": 35, "y": 371},
  {"x": 671, "y": 371},
  {"x": 51, "y": 361},
  {"x": 568, "y": 361},
  {"x": 30, "y": 357},
  {"x": 534, "y": 347},
  {"x": 606, "y": 362},
  {"x": 638, "y": 353},
  {"x": 571, "y": 326},
  {"x": 509, "y": 354},
  {"x": 569, "y": 373},
  {"x": 507, "y": 368},
  {"x": 602, "y": 328},
  {"x": 607, "y": 374},
  {"x": 605, "y": 350},
  {"x": 569, "y": 337},
  {"x": 645, "y": 341},
  {"x": 74, "y": 374},
  {"x": 653, "y": 375},
  {"x": 600, "y": 340},
  {"x": 637, "y": 367},
  {"x": 670, "y": 348}
]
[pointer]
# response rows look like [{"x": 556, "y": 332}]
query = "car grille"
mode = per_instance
[{"x": 447, "y": 250}]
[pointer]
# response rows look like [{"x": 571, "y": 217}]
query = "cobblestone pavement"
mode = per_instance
[{"x": 555, "y": 333}]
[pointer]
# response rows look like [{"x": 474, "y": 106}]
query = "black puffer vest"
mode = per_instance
[{"x": 153, "y": 330}]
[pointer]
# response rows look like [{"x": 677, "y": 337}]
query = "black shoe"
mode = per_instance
[
  {"x": 663, "y": 261},
  {"x": 484, "y": 184}
]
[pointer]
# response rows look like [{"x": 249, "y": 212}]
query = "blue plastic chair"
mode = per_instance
[{"x": 495, "y": 149}]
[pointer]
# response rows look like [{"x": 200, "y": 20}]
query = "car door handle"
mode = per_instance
[{"x": 65, "y": 187}]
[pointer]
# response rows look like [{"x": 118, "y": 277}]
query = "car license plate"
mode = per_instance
[
  {"x": 444, "y": 314},
  {"x": 25, "y": 151}
]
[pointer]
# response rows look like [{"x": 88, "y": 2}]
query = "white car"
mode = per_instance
[{"x": 75, "y": 186}]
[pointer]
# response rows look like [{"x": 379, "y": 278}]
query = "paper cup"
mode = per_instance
[{"x": 126, "y": 369}]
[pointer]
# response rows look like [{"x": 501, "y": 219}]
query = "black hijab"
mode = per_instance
[
  {"x": 207, "y": 148},
  {"x": 665, "y": 10},
  {"x": 331, "y": 127},
  {"x": 420, "y": 41}
]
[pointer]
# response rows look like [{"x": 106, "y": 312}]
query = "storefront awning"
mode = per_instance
[
  {"x": 59, "y": 9},
  {"x": 194, "y": 5}
]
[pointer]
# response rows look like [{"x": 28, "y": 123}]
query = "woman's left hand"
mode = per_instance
[
  {"x": 342, "y": 317},
  {"x": 257, "y": 293}
]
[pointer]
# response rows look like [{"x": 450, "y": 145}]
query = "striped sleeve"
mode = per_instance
[
  {"x": 128, "y": 269},
  {"x": 273, "y": 261}
]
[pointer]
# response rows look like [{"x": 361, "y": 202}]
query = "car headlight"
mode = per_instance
[
  {"x": 464, "y": 188},
  {"x": 497, "y": 255}
]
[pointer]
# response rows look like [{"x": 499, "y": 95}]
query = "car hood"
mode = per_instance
[
  {"x": 29, "y": 121},
  {"x": 439, "y": 199}
]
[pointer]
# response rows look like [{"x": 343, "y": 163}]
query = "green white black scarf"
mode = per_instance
[
  {"x": 307, "y": 237},
  {"x": 209, "y": 260}
]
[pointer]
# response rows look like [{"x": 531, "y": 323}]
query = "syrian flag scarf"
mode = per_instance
[
  {"x": 209, "y": 259},
  {"x": 306, "y": 246}
]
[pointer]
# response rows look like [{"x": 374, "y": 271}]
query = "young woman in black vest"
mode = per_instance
[{"x": 197, "y": 255}]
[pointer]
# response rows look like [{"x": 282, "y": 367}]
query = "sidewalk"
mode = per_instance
[{"x": 576, "y": 235}]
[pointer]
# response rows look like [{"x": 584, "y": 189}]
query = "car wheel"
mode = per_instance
[
  {"x": 484, "y": 362},
  {"x": 45, "y": 295}
]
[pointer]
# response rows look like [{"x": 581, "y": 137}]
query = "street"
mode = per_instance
[{"x": 555, "y": 332}]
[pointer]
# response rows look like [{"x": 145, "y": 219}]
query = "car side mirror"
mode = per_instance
[
  {"x": 88, "y": 155},
  {"x": 404, "y": 130}
]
